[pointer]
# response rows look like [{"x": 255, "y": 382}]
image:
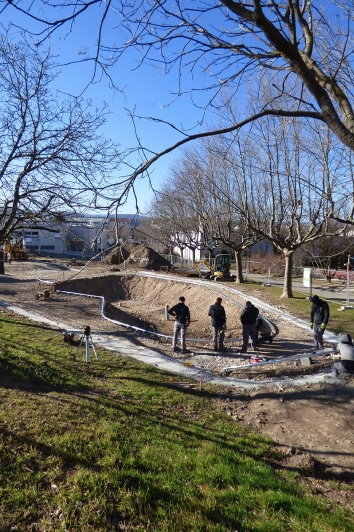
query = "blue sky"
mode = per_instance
[{"x": 144, "y": 89}]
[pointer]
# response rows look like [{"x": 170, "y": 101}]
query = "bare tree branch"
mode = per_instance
[{"x": 53, "y": 162}]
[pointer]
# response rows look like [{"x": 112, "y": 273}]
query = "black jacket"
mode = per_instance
[
  {"x": 249, "y": 315},
  {"x": 346, "y": 349},
  {"x": 217, "y": 314},
  {"x": 263, "y": 326},
  {"x": 181, "y": 313},
  {"x": 319, "y": 311}
]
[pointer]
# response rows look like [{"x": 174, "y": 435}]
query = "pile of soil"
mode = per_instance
[{"x": 137, "y": 255}]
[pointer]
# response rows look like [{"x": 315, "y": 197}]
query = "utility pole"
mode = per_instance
[{"x": 348, "y": 282}]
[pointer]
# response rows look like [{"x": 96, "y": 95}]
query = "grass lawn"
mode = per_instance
[{"x": 113, "y": 446}]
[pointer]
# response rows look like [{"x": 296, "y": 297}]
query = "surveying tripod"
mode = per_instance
[{"x": 86, "y": 334}]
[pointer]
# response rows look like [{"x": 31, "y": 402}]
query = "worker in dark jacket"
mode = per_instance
[
  {"x": 264, "y": 331},
  {"x": 218, "y": 322},
  {"x": 346, "y": 350},
  {"x": 182, "y": 321},
  {"x": 248, "y": 319},
  {"x": 319, "y": 320}
]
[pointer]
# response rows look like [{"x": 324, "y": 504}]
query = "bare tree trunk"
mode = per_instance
[
  {"x": 239, "y": 273},
  {"x": 182, "y": 258},
  {"x": 287, "y": 290}
]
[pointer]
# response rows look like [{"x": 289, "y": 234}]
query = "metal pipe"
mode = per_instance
[{"x": 286, "y": 359}]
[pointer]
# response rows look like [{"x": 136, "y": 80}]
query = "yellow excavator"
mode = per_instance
[
  {"x": 220, "y": 270},
  {"x": 15, "y": 249}
]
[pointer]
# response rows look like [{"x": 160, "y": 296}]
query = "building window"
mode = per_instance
[{"x": 31, "y": 233}]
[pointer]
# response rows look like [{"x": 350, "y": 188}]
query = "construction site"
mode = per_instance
[{"x": 124, "y": 299}]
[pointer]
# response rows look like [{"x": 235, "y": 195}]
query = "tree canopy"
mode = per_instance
[
  {"x": 305, "y": 46},
  {"x": 53, "y": 160},
  {"x": 293, "y": 59},
  {"x": 281, "y": 181}
]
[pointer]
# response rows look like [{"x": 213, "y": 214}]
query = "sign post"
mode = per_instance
[
  {"x": 347, "y": 306},
  {"x": 307, "y": 281}
]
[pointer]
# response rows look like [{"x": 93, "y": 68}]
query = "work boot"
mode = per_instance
[
  {"x": 175, "y": 349},
  {"x": 215, "y": 348},
  {"x": 243, "y": 350}
]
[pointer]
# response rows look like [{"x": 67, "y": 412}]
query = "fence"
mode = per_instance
[{"x": 267, "y": 271}]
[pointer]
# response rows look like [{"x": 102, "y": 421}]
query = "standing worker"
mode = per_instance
[
  {"x": 346, "y": 350},
  {"x": 319, "y": 320},
  {"x": 182, "y": 321},
  {"x": 248, "y": 319},
  {"x": 218, "y": 322},
  {"x": 264, "y": 331}
]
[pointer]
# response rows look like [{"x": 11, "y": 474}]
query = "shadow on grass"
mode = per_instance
[
  {"x": 17, "y": 321},
  {"x": 52, "y": 374},
  {"x": 20, "y": 373},
  {"x": 7, "y": 279}
]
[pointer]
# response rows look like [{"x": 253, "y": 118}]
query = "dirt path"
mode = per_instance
[{"x": 313, "y": 425}]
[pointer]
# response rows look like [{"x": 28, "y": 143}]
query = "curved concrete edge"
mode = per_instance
[
  {"x": 32, "y": 315},
  {"x": 175, "y": 366}
]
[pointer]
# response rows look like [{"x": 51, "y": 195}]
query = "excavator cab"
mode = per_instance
[
  {"x": 220, "y": 270},
  {"x": 15, "y": 248},
  {"x": 222, "y": 265}
]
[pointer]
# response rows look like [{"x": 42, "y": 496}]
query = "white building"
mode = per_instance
[{"x": 85, "y": 237}]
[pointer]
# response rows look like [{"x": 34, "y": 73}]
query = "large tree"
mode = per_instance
[
  {"x": 53, "y": 161},
  {"x": 291, "y": 185},
  {"x": 210, "y": 193},
  {"x": 305, "y": 47},
  {"x": 281, "y": 180},
  {"x": 171, "y": 210}
]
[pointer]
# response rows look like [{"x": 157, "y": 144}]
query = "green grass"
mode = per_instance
[{"x": 113, "y": 446}]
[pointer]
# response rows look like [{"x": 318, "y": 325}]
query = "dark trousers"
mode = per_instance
[
  {"x": 216, "y": 331},
  {"x": 264, "y": 338},
  {"x": 179, "y": 328},
  {"x": 343, "y": 366},
  {"x": 249, "y": 331},
  {"x": 318, "y": 335}
]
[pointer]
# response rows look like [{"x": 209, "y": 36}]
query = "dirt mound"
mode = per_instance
[{"x": 138, "y": 255}]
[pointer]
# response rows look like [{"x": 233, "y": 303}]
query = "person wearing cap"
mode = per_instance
[
  {"x": 218, "y": 323},
  {"x": 319, "y": 320},
  {"x": 248, "y": 319},
  {"x": 182, "y": 321},
  {"x": 346, "y": 350}
]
